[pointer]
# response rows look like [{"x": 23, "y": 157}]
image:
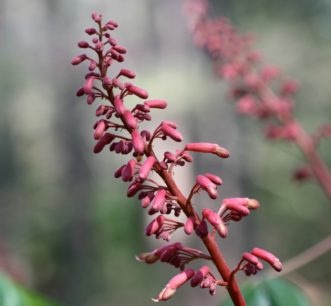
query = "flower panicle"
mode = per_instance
[{"x": 119, "y": 129}]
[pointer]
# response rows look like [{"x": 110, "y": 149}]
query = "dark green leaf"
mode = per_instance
[
  {"x": 12, "y": 294},
  {"x": 277, "y": 292}
]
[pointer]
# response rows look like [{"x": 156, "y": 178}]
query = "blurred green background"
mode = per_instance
[{"x": 66, "y": 228}]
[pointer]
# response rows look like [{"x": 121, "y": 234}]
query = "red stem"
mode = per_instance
[
  {"x": 209, "y": 241},
  {"x": 318, "y": 166}
]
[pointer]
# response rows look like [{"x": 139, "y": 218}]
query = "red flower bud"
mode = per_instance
[
  {"x": 83, "y": 44},
  {"x": 89, "y": 84},
  {"x": 268, "y": 257},
  {"x": 91, "y": 31},
  {"x": 189, "y": 225},
  {"x": 158, "y": 200},
  {"x": 215, "y": 220},
  {"x": 171, "y": 132},
  {"x": 138, "y": 143},
  {"x": 146, "y": 167},
  {"x": 128, "y": 73},
  {"x": 78, "y": 59},
  {"x": 129, "y": 119},
  {"x": 156, "y": 104},
  {"x": 206, "y": 184},
  {"x": 177, "y": 281},
  {"x": 139, "y": 92}
]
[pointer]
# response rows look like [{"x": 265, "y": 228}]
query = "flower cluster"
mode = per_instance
[
  {"x": 119, "y": 130},
  {"x": 259, "y": 90}
]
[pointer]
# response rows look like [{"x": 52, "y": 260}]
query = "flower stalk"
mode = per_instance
[{"x": 120, "y": 131}]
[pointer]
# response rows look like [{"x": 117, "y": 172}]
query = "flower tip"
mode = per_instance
[
  {"x": 155, "y": 300},
  {"x": 277, "y": 265}
]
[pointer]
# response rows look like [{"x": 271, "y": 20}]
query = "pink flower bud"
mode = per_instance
[
  {"x": 106, "y": 139},
  {"x": 120, "y": 49},
  {"x": 177, "y": 281},
  {"x": 78, "y": 59},
  {"x": 215, "y": 220},
  {"x": 112, "y": 41},
  {"x": 91, "y": 31},
  {"x": 171, "y": 123},
  {"x": 128, "y": 73},
  {"x": 170, "y": 156},
  {"x": 146, "y": 167},
  {"x": 138, "y": 143},
  {"x": 96, "y": 17},
  {"x": 199, "y": 276},
  {"x": 130, "y": 121},
  {"x": 171, "y": 132},
  {"x": 206, "y": 184},
  {"x": 189, "y": 225},
  {"x": 90, "y": 98},
  {"x": 268, "y": 257},
  {"x": 154, "y": 226},
  {"x": 128, "y": 170},
  {"x": 133, "y": 189},
  {"x": 118, "y": 172},
  {"x": 146, "y": 135},
  {"x": 145, "y": 201},
  {"x": 80, "y": 92},
  {"x": 100, "y": 127},
  {"x": 205, "y": 147},
  {"x": 92, "y": 66},
  {"x": 139, "y": 92},
  {"x": 187, "y": 157},
  {"x": 113, "y": 23},
  {"x": 119, "y": 106},
  {"x": 214, "y": 178},
  {"x": 239, "y": 209},
  {"x": 158, "y": 200},
  {"x": 89, "y": 85},
  {"x": 83, "y": 44},
  {"x": 251, "y": 258},
  {"x": 156, "y": 104}
]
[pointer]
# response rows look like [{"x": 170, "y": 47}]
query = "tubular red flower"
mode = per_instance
[
  {"x": 268, "y": 257},
  {"x": 156, "y": 104},
  {"x": 78, "y": 59},
  {"x": 139, "y": 92},
  {"x": 88, "y": 85},
  {"x": 168, "y": 130},
  {"x": 206, "y": 184},
  {"x": 158, "y": 200},
  {"x": 137, "y": 142},
  {"x": 128, "y": 73},
  {"x": 146, "y": 167},
  {"x": 129, "y": 119},
  {"x": 176, "y": 282},
  {"x": 215, "y": 220},
  {"x": 205, "y": 147},
  {"x": 189, "y": 225}
]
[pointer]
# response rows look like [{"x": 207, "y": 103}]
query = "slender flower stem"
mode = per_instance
[
  {"x": 318, "y": 166},
  {"x": 209, "y": 242}
]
